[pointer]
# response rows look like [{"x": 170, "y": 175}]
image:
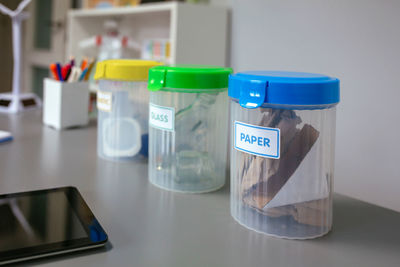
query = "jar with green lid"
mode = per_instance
[{"x": 188, "y": 127}]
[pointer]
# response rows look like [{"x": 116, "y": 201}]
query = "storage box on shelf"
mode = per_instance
[{"x": 197, "y": 33}]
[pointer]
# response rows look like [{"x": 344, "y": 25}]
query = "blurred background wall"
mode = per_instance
[{"x": 357, "y": 41}]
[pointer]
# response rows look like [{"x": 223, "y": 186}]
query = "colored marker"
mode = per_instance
[
  {"x": 64, "y": 71},
  {"x": 83, "y": 74},
  {"x": 84, "y": 64},
  {"x": 60, "y": 78},
  {"x": 53, "y": 69},
  {"x": 68, "y": 73},
  {"x": 89, "y": 69},
  {"x": 75, "y": 74},
  {"x": 72, "y": 75},
  {"x": 72, "y": 61}
]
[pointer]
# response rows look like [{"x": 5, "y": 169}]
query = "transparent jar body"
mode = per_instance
[
  {"x": 191, "y": 158},
  {"x": 289, "y": 197},
  {"x": 122, "y": 130}
]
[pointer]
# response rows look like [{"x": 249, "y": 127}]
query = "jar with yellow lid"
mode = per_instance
[{"x": 122, "y": 103}]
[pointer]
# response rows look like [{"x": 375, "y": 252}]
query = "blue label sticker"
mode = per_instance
[{"x": 257, "y": 140}]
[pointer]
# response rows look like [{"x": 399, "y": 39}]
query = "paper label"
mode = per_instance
[
  {"x": 162, "y": 117},
  {"x": 104, "y": 101},
  {"x": 257, "y": 140}
]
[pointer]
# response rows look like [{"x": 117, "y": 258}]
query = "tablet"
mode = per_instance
[
  {"x": 5, "y": 136},
  {"x": 44, "y": 223}
]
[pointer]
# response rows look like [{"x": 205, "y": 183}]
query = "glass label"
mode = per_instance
[{"x": 162, "y": 117}]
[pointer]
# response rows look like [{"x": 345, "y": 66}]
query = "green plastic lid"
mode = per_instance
[{"x": 188, "y": 78}]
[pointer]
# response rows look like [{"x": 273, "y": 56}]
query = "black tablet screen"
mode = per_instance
[{"x": 38, "y": 219}]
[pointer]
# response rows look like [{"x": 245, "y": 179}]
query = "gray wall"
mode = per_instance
[{"x": 357, "y": 41}]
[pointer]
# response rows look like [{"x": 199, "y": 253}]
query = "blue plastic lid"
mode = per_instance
[{"x": 254, "y": 88}]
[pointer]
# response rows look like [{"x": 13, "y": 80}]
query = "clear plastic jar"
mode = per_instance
[
  {"x": 282, "y": 155},
  {"x": 188, "y": 125},
  {"x": 122, "y": 102}
]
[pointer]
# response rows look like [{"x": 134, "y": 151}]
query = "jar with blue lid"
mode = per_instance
[{"x": 282, "y": 156}]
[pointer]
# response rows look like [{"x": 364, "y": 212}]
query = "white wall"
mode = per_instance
[{"x": 359, "y": 42}]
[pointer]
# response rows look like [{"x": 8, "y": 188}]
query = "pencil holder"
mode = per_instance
[{"x": 65, "y": 104}]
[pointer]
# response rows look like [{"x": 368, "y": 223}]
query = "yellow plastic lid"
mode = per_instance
[{"x": 124, "y": 69}]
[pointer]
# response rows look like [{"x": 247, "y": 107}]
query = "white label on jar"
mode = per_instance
[
  {"x": 104, "y": 101},
  {"x": 162, "y": 117},
  {"x": 257, "y": 140}
]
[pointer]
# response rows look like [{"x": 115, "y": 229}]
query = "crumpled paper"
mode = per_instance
[{"x": 274, "y": 186}]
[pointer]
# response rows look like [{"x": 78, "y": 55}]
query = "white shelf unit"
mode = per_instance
[{"x": 198, "y": 33}]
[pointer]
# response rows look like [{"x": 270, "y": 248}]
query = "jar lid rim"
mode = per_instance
[
  {"x": 188, "y": 77},
  {"x": 253, "y": 88}
]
